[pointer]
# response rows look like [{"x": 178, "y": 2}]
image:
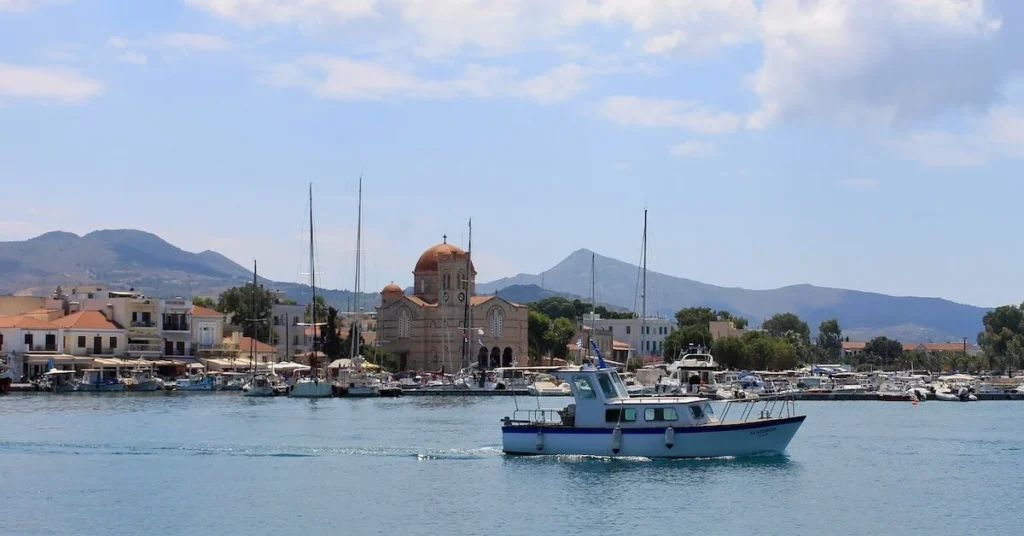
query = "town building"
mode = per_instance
[
  {"x": 175, "y": 327},
  {"x": 91, "y": 334},
  {"x": 644, "y": 337},
  {"x": 426, "y": 329},
  {"x": 721, "y": 329},
  {"x": 291, "y": 337}
]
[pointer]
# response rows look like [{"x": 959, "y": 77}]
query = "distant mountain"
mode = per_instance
[
  {"x": 863, "y": 313},
  {"x": 127, "y": 258}
]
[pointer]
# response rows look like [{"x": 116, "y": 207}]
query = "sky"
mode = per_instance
[{"x": 870, "y": 144}]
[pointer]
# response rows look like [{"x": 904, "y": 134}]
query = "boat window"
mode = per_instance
[
  {"x": 606, "y": 386},
  {"x": 697, "y": 412},
  {"x": 660, "y": 414},
  {"x": 584, "y": 387},
  {"x": 708, "y": 411},
  {"x": 612, "y": 415},
  {"x": 620, "y": 388}
]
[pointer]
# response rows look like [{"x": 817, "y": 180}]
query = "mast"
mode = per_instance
[
  {"x": 466, "y": 320},
  {"x": 252, "y": 343},
  {"x": 643, "y": 293},
  {"x": 354, "y": 343},
  {"x": 312, "y": 276},
  {"x": 593, "y": 297}
]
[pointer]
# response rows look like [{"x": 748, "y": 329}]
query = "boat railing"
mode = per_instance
[
  {"x": 551, "y": 417},
  {"x": 766, "y": 407}
]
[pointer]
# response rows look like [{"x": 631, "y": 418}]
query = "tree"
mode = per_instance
[
  {"x": 784, "y": 356},
  {"x": 204, "y": 301},
  {"x": 556, "y": 307},
  {"x": 331, "y": 344},
  {"x": 888, "y": 350},
  {"x": 740, "y": 322},
  {"x": 830, "y": 337},
  {"x": 237, "y": 302},
  {"x": 614, "y": 315},
  {"x": 560, "y": 335},
  {"x": 321, "y": 309},
  {"x": 346, "y": 343},
  {"x": 537, "y": 327},
  {"x": 695, "y": 316},
  {"x": 779, "y": 324},
  {"x": 634, "y": 364},
  {"x": 287, "y": 302},
  {"x": 730, "y": 353},
  {"x": 1002, "y": 325},
  {"x": 683, "y": 337}
]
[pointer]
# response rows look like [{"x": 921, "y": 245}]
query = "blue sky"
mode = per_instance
[{"x": 868, "y": 145}]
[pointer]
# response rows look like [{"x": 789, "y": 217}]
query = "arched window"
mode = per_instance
[
  {"x": 463, "y": 283},
  {"x": 495, "y": 320},
  {"x": 404, "y": 322},
  {"x": 447, "y": 281}
]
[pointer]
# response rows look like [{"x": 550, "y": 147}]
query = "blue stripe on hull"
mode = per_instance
[{"x": 631, "y": 431}]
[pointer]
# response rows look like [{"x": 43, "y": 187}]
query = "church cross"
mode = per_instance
[{"x": 445, "y": 238}]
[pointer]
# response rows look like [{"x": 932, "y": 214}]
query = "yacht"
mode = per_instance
[
  {"x": 58, "y": 381},
  {"x": 143, "y": 380},
  {"x": 605, "y": 421},
  {"x": 363, "y": 385},
  {"x": 548, "y": 385},
  {"x": 691, "y": 373},
  {"x": 315, "y": 385},
  {"x": 259, "y": 385}
]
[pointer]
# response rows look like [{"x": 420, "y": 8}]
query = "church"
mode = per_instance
[{"x": 425, "y": 329}]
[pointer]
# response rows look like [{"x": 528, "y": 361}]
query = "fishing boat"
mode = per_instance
[
  {"x": 142, "y": 380},
  {"x": 196, "y": 382},
  {"x": 315, "y": 385},
  {"x": 59, "y": 381},
  {"x": 605, "y": 421},
  {"x": 6, "y": 378},
  {"x": 100, "y": 381},
  {"x": 259, "y": 385}
]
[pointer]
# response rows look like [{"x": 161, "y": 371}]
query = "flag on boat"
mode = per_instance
[
  {"x": 600, "y": 358},
  {"x": 49, "y": 364},
  {"x": 579, "y": 344}
]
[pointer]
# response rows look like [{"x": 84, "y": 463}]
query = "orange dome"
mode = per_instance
[
  {"x": 428, "y": 261},
  {"x": 392, "y": 288}
]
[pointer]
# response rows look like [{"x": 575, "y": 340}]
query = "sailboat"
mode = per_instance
[
  {"x": 360, "y": 384},
  {"x": 312, "y": 386},
  {"x": 258, "y": 384}
]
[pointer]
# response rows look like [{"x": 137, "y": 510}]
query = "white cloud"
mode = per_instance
[
  {"x": 46, "y": 83},
  {"x": 637, "y": 111},
  {"x": 187, "y": 41},
  {"x": 882, "y": 61},
  {"x": 130, "y": 56},
  {"x": 25, "y": 5},
  {"x": 343, "y": 78},
  {"x": 1000, "y": 134},
  {"x": 692, "y": 149},
  {"x": 859, "y": 184},
  {"x": 443, "y": 27}
]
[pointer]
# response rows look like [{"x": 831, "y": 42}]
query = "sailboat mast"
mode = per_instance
[
  {"x": 255, "y": 330},
  {"x": 312, "y": 274},
  {"x": 593, "y": 297},
  {"x": 354, "y": 343},
  {"x": 643, "y": 294},
  {"x": 466, "y": 320}
]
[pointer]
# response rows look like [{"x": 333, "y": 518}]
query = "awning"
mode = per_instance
[{"x": 58, "y": 359}]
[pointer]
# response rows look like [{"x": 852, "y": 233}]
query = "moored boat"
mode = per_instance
[
  {"x": 259, "y": 385},
  {"x": 100, "y": 381},
  {"x": 605, "y": 421}
]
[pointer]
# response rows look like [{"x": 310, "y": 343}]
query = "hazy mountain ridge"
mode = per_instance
[{"x": 864, "y": 313}]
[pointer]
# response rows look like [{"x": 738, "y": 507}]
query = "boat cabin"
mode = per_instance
[{"x": 602, "y": 401}]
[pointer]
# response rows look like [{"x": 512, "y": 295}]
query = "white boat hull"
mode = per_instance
[
  {"x": 312, "y": 389},
  {"x": 769, "y": 436},
  {"x": 150, "y": 385},
  {"x": 363, "y": 391},
  {"x": 266, "y": 390}
]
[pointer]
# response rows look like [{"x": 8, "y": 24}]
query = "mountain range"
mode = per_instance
[
  {"x": 861, "y": 314},
  {"x": 136, "y": 259}
]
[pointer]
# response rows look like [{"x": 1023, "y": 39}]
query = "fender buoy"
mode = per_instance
[
  {"x": 670, "y": 437},
  {"x": 616, "y": 440},
  {"x": 540, "y": 439}
]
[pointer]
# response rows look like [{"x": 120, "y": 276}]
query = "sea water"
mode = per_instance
[{"x": 225, "y": 465}]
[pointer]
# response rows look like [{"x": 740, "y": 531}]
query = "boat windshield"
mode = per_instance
[
  {"x": 583, "y": 386},
  {"x": 620, "y": 388}
]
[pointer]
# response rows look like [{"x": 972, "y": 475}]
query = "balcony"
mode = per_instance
[
  {"x": 41, "y": 348},
  {"x": 101, "y": 352},
  {"x": 176, "y": 326},
  {"x": 219, "y": 347},
  {"x": 145, "y": 349},
  {"x": 143, "y": 324}
]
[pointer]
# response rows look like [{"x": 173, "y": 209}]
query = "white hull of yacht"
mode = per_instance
[
  {"x": 769, "y": 436},
  {"x": 146, "y": 386},
  {"x": 312, "y": 389},
  {"x": 364, "y": 391},
  {"x": 265, "y": 390}
]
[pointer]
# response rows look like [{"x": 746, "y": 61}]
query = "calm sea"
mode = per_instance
[{"x": 227, "y": 465}]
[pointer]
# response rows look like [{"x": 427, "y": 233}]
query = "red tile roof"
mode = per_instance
[
  {"x": 245, "y": 344},
  {"x": 24, "y": 322},
  {"x": 85, "y": 320},
  {"x": 850, "y": 345},
  {"x": 205, "y": 311}
]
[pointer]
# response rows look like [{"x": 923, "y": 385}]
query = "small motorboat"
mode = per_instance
[
  {"x": 196, "y": 382},
  {"x": 100, "y": 381},
  {"x": 259, "y": 385},
  {"x": 605, "y": 421}
]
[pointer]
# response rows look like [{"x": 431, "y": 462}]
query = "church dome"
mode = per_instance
[
  {"x": 392, "y": 288},
  {"x": 430, "y": 257}
]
